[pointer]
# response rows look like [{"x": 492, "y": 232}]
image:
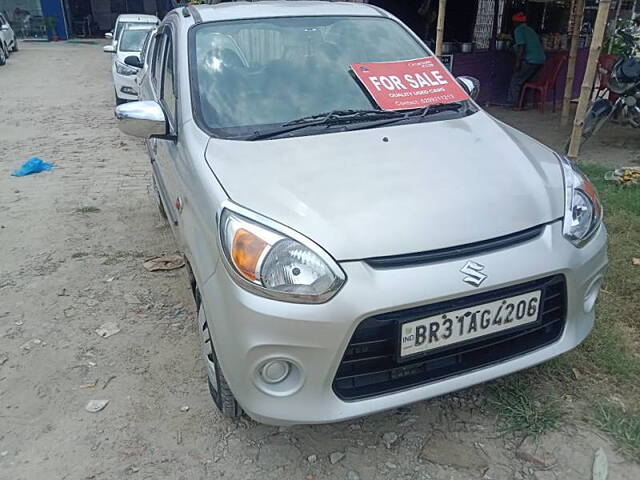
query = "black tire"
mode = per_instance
[
  {"x": 15, "y": 45},
  {"x": 119, "y": 101},
  {"x": 3, "y": 58},
  {"x": 220, "y": 392}
]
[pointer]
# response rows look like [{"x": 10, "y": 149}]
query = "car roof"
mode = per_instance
[
  {"x": 283, "y": 8},
  {"x": 135, "y": 18}
]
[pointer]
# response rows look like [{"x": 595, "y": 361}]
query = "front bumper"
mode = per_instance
[
  {"x": 125, "y": 85},
  {"x": 248, "y": 329}
]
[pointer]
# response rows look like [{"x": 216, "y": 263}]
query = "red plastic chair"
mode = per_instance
[
  {"x": 544, "y": 82},
  {"x": 605, "y": 67}
]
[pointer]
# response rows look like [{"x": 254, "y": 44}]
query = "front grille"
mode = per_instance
[
  {"x": 370, "y": 365},
  {"x": 451, "y": 253}
]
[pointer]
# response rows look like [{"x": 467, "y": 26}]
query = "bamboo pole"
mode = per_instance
[
  {"x": 440, "y": 31},
  {"x": 592, "y": 64},
  {"x": 495, "y": 27},
  {"x": 577, "y": 14}
]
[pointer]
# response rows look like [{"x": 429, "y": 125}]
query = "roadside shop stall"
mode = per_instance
[
  {"x": 480, "y": 45},
  {"x": 477, "y": 41},
  {"x": 477, "y": 36}
]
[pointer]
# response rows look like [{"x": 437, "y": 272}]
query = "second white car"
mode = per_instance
[{"x": 124, "y": 72}]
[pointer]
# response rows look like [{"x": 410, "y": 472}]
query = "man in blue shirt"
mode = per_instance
[{"x": 530, "y": 56}]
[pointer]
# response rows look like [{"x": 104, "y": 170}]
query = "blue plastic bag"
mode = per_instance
[{"x": 33, "y": 165}]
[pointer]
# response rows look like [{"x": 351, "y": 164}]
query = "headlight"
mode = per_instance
[
  {"x": 583, "y": 211},
  {"x": 275, "y": 261},
  {"x": 124, "y": 69}
]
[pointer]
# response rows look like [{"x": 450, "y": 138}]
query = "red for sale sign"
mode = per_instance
[{"x": 409, "y": 84}]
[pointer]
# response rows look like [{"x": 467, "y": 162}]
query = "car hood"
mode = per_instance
[{"x": 399, "y": 189}]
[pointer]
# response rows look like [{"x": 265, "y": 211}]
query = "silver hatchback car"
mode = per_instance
[{"x": 348, "y": 259}]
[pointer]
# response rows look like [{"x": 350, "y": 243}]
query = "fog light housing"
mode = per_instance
[
  {"x": 592, "y": 295},
  {"x": 278, "y": 377},
  {"x": 275, "y": 371}
]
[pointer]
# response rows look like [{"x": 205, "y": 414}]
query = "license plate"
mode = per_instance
[{"x": 468, "y": 323}]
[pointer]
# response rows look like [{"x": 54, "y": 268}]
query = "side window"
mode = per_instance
[
  {"x": 148, "y": 56},
  {"x": 156, "y": 67},
  {"x": 168, "y": 83}
]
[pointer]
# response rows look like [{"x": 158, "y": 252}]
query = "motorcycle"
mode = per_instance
[{"x": 624, "y": 83}]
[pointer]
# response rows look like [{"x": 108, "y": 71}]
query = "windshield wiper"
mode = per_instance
[
  {"x": 441, "y": 107},
  {"x": 412, "y": 114},
  {"x": 327, "y": 118},
  {"x": 374, "y": 118},
  {"x": 343, "y": 115}
]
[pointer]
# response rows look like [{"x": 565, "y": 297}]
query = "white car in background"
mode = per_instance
[
  {"x": 126, "y": 61},
  {"x": 8, "y": 40},
  {"x": 125, "y": 20}
]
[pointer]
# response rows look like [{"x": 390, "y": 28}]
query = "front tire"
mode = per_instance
[
  {"x": 3, "y": 58},
  {"x": 15, "y": 45},
  {"x": 119, "y": 101},
  {"x": 218, "y": 386}
]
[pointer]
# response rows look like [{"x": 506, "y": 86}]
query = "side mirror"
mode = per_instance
[
  {"x": 4, "y": 28},
  {"x": 133, "y": 61},
  {"x": 109, "y": 49},
  {"x": 143, "y": 119},
  {"x": 471, "y": 85},
  {"x": 108, "y": 35}
]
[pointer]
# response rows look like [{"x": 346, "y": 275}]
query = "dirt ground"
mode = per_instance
[
  {"x": 72, "y": 244},
  {"x": 614, "y": 146}
]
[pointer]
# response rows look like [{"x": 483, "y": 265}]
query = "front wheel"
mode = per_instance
[
  {"x": 218, "y": 386},
  {"x": 3, "y": 57},
  {"x": 15, "y": 45},
  {"x": 119, "y": 101}
]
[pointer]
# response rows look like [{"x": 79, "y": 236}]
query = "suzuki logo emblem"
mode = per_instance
[{"x": 473, "y": 272}]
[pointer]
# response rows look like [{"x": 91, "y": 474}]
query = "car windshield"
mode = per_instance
[
  {"x": 122, "y": 26},
  {"x": 132, "y": 40},
  {"x": 248, "y": 74}
]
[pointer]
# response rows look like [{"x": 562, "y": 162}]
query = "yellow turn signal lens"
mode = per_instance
[{"x": 246, "y": 251}]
